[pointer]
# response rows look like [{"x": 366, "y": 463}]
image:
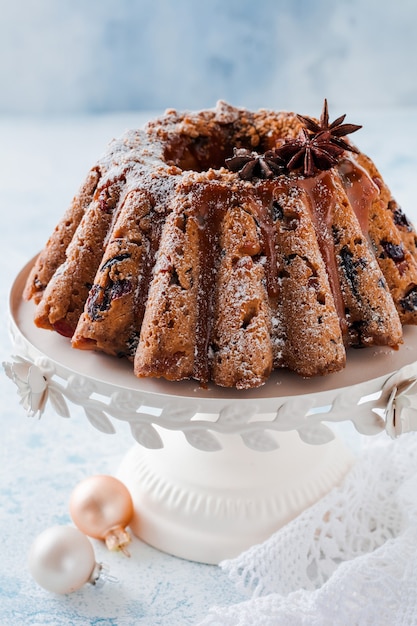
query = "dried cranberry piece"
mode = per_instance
[
  {"x": 409, "y": 302},
  {"x": 393, "y": 251},
  {"x": 116, "y": 259},
  {"x": 64, "y": 328},
  {"x": 100, "y": 299},
  {"x": 96, "y": 302},
  {"x": 400, "y": 219},
  {"x": 350, "y": 267},
  {"x": 120, "y": 288}
]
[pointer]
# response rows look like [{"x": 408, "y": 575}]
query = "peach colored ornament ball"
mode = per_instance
[{"x": 99, "y": 505}]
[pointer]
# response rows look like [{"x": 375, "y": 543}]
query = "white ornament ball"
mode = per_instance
[{"x": 61, "y": 559}]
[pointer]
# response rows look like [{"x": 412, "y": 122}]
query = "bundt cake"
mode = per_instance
[{"x": 222, "y": 244}]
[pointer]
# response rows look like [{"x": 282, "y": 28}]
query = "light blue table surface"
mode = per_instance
[{"x": 42, "y": 162}]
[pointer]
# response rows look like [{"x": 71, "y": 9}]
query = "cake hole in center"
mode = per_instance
[{"x": 202, "y": 153}]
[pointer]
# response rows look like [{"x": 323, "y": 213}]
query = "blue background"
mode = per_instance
[
  {"x": 61, "y": 63},
  {"x": 89, "y": 56}
]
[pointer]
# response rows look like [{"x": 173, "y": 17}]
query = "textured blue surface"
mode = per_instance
[
  {"x": 102, "y": 55},
  {"x": 93, "y": 56}
]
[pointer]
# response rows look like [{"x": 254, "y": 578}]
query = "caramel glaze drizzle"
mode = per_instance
[
  {"x": 151, "y": 246},
  {"x": 209, "y": 207},
  {"x": 261, "y": 213},
  {"x": 360, "y": 190},
  {"x": 321, "y": 193}
]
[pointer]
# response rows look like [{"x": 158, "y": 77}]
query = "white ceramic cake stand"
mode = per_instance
[{"x": 216, "y": 470}]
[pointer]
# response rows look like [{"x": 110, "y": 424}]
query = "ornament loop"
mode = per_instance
[{"x": 101, "y": 575}]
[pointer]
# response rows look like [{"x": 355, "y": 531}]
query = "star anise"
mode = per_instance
[
  {"x": 311, "y": 152},
  {"x": 318, "y": 146},
  {"x": 250, "y": 164},
  {"x": 336, "y": 129}
]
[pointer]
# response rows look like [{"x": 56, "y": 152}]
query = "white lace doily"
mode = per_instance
[{"x": 351, "y": 559}]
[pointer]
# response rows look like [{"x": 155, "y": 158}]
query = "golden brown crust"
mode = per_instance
[
  {"x": 113, "y": 312},
  {"x": 394, "y": 241},
  {"x": 241, "y": 342},
  {"x": 67, "y": 291},
  {"x": 53, "y": 255},
  {"x": 167, "y": 340},
  {"x": 401, "y": 223},
  {"x": 307, "y": 334},
  {"x": 371, "y": 316}
]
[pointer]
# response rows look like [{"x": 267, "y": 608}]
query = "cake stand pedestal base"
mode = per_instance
[{"x": 210, "y": 506}]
